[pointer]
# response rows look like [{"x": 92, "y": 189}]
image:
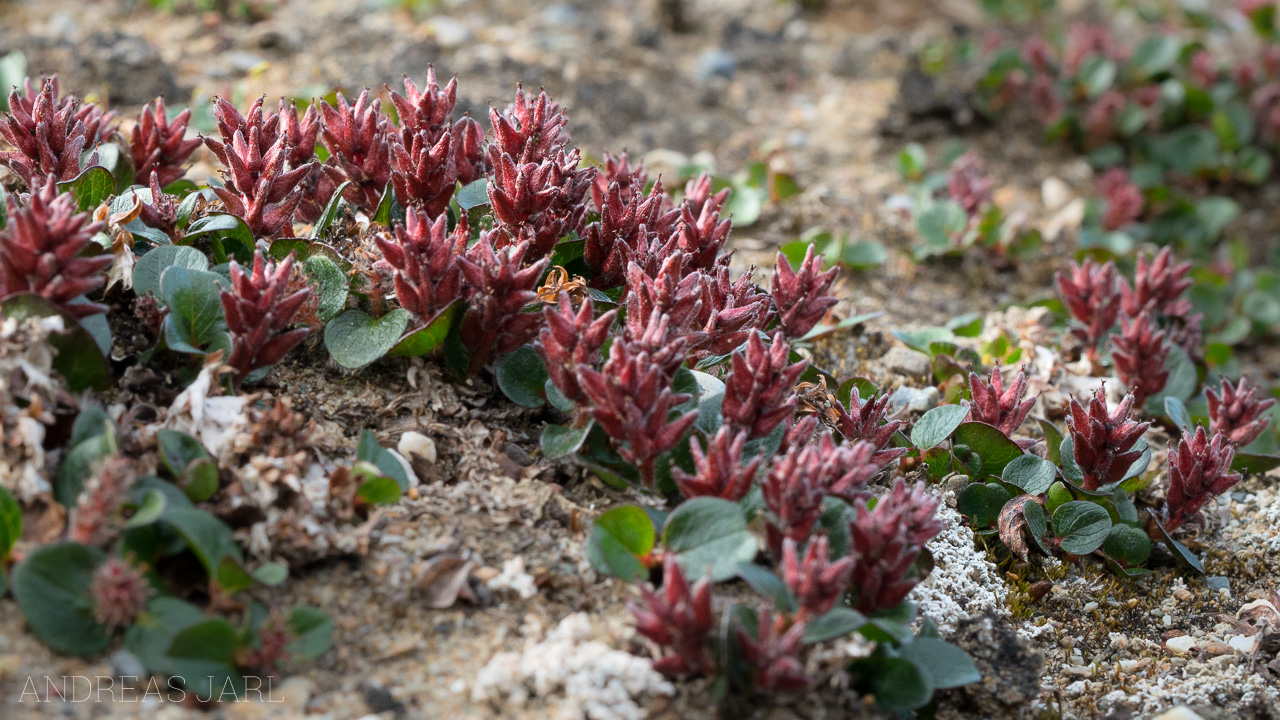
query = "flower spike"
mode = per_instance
[
  {"x": 801, "y": 295},
  {"x": 678, "y": 619},
  {"x": 719, "y": 471},
  {"x": 1237, "y": 411},
  {"x": 258, "y": 313},
  {"x": 1105, "y": 445},
  {"x": 1199, "y": 471},
  {"x": 40, "y": 251}
]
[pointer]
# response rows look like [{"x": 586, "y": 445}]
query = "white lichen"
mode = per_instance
[
  {"x": 578, "y": 677},
  {"x": 514, "y": 579},
  {"x": 964, "y": 583}
]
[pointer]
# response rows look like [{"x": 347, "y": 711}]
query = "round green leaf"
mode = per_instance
[
  {"x": 271, "y": 574},
  {"x": 769, "y": 586},
  {"x": 354, "y": 339},
  {"x": 839, "y": 622},
  {"x": 329, "y": 284},
  {"x": 226, "y": 232},
  {"x": 994, "y": 447},
  {"x": 150, "y": 510},
  {"x": 52, "y": 588},
  {"x": 708, "y": 533},
  {"x": 195, "y": 321},
  {"x": 90, "y": 188},
  {"x": 1081, "y": 526},
  {"x": 1127, "y": 545},
  {"x": 620, "y": 538},
  {"x": 204, "y": 655},
  {"x": 207, "y": 536},
  {"x": 981, "y": 503},
  {"x": 522, "y": 376},
  {"x": 473, "y": 194},
  {"x": 895, "y": 683},
  {"x": 379, "y": 489},
  {"x": 425, "y": 340},
  {"x": 312, "y": 631},
  {"x": 937, "y": 424},
  {"x": 1254, "y": 464},
  {"x": 1032, "y": 473},
  {"x": 943, "y": 665},
  {"x": 559, "y": 441},
  {"x": 149, "y": 268}
]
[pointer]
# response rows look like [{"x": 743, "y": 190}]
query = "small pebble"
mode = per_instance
[{"x": 1180, "y": 645}]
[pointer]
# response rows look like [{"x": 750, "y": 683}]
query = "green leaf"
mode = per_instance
[
  {"x": 920, "y": 340},
  {"x": 151, "y": 508},
  {"x": 312, "y": 632},
  {"x": 147, "y": 272},
  {"x": 78, "y": 357},
  {"x": 225, "y": 231},
  {"x": 709, "y": 534},
  {"x": 620, "y": 540},
  {"x": 90, "y": 188},
  {"x": 379, "y": 490},
  {"x": 1127, "y": 545},
  {"x": 207, "y": 536},
  {"x": 522, "y": 376},
  {"x": 271, "y": 574},
  {"x": 206, "y": 650},
  {"x": 839, "y": 622},
  {"x": 1216, "y": 213},
  {"x": 385, "y": 463},
  {"x": 1037, "y": 523},
  {"x": 1031, "y": 473},
  {"x": 200, "y": 480},
  {"x": 938, "y": 224},
  {"x": 195, "y": 321},
  {"x": 427, "y": 339},
  {"x": 1057, "y": 496},
  {"x": 744, "y": 205},
  {"x": 937, "y": 425},
  {"x": 1081, "y": 526},
  {"x": 1254, "y": 464},
  {"x": 149, "y": 639},
  {"x": 770, "y": 587},
  {"x": 1154, "y": 56},
  {"x": 473, "y": 194},
  {"x": 981, "y": 503},
  {"x": 967, "y": 325},
  {"x": 330, "y": 212},
  {"x": 13, "y": 70},
  {"x": 4, "y": 199},
  {"x": 1176, "y": 411},
  {"x": 51, "y": 585},
  {"x": 10, "y": 522},
  {"x": 1181, "y": 554},
  {"x": 79, "y": 464},
  {"x": 178, "y": 450},
  {"x": 329, "y": 284},
  {"x": 942, "y": 664},
  {"x": 1097, "y": 75},
  {"x": 382, "y": 213},
  {"x": 994, "y": 447},
  {"x": 864, "y": 255},
  {"x": 354, "y": 339},
  {"x": 559, "y": 441},
  {"x": 895, "y": 683}
]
